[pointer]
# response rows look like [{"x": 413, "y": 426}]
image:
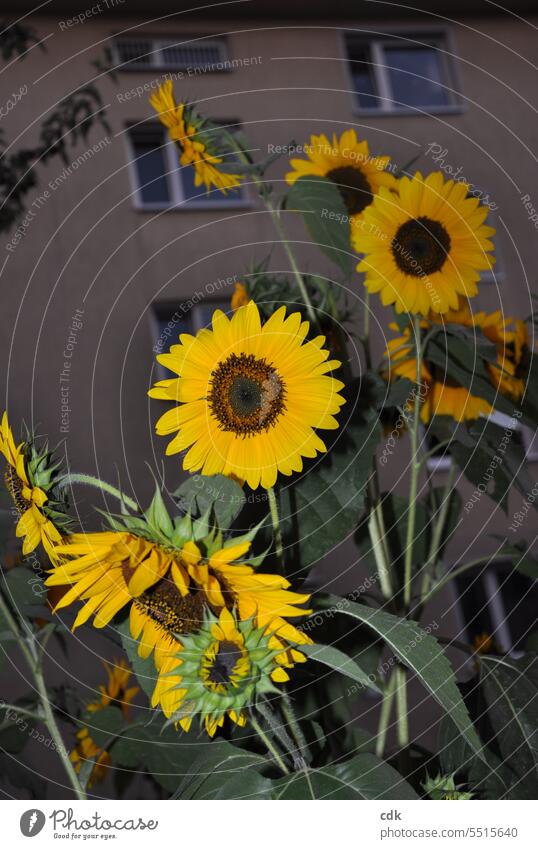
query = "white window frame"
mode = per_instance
[
  {"x": 178, "y": 202},
  {"x": 156, "y": 54},
  {"x": 407, "y": 36}
]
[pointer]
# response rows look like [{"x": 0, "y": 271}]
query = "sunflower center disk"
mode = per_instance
[
  {"x": 226, "y": 659},
  {"x": 420, "y": 246},
  {"x": 246, "y": 394},
  {"x": 14, "y": 487},
  {"x": 354, "y": 187},
  {"x": 175, "y": 613}
]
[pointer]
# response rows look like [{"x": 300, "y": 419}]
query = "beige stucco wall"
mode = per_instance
[{"x": 87, "y": 247}]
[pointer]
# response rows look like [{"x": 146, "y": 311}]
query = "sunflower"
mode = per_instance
[
  {"x": 115, "y": 691},
  {"x": 30, "y": 479},
  {"x": 156, "y": 566},
  {"x": 347, "y": 163},
  {"x": 442, "y": 395},
  {"x": 220, "y": 670},
  {"x": 511, "y": 337},
  {"x": 250, "y": 396},
  {"x": 188, "y": 130},
  {"x": 425, "y": 245}
]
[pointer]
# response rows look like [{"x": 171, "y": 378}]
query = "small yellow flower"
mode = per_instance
[{"x": 240, "y": 296}]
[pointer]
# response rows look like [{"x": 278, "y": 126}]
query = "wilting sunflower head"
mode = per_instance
[
  {"x": 347, "y": 163},
  {"x": 201, "y": 144},
  {"x": 250, "y": 396},
  {"x": 114, "y": 692},
  {"x": 511, "y": 337},
  {"x": 425, "y": 245},
  {"x": 222, "y": 669},
  {"x": 171, "y": 573},
  {"x": 31, "y": 478},
  {"x": 440, "y": 394}
]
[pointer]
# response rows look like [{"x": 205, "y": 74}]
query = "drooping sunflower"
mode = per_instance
[
  {"x": 441, "y": 395},
  {"x": 347, "y": 163},
  {"x": 425, "y": 245},
  {"x": 251, "y": 396},
  {"x": 197, "y": 145},
  {"x": 511, "y": 337},
  {"x": 219, "y": 670},
  {"x": 30, "y": 478},
  {"x": 114, "y": 692},
  {"x": 171, "y": 573}
]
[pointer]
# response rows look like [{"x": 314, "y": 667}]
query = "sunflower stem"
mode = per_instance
[
  {"x": 34, "y": 663},
  {"x": 437, "y": 535},
  {"x": 268, "y": 743},
  {"x": 415, "y": 469},
  {"x": 295, "y": 728},
  {"x": 275, "y": 519},
  {"x": 275, "y": 216},
  {"x": 90, "y": 480},
  {"x": 384, "y": 716}
]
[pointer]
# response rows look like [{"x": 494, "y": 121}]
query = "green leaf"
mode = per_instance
[
  {"x": 363, "y": 777},
  {"x": 421, "y": 653},
  {"x": 463, "y": 361},
  {"x": 511, "y": 691},
  {"x": 158, "y": 517},
  {"x": 219, "y": 763},
  {"x": 199, "y": 494},
  {"x": 339, "y": 662},
  {"x": 321, "y": 507},
  {"x": 326, "y": 218},
  {"x": 143, "y": 668}
]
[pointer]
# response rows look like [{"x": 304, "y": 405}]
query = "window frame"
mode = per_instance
[
  {"x": 178, "y": 201},
  {"x": 159, "y": 42},
  {"x": 406, "y": 36}
]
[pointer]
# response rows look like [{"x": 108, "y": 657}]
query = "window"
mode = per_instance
[
  {"x": 408, "y": 73},
  {"x": 498, "y": 600},
  {"x": 170, "y": 318},
  {"x": 161, "y": 182},
  {"x": 181, "y": 52}
]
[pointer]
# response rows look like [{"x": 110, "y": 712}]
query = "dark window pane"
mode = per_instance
[
  {"x": 199, "y": 193},
  {"x": 150, "y": 164},
  {"x": 362, "y": 74},
  {"x": 416, "y": 76}
]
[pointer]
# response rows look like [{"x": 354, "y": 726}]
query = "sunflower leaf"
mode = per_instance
[
  {"x": 325, "y": 216},
  {"x": 218, "y": 493},
  {"x": 363, "y": 777},
  {"x": 339, "y": 662},
  {"x": 420, "y": 652}
]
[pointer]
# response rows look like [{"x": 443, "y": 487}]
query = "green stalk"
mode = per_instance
[
  {"x": 437, "y": 535},
  {"x": 273, "y": 507},
  {"x": 459, "y": 571},
  {"x": 380, "y": 554},
  {"x": 34, "y": 662},
  {"x": 386, "y": 707},
  {"x": 90, "y": 480},
  {"x": 415, "y": 468},
  {"x": 275, "y": 216},
  {"x": 400, "y": 676},
  {"x": 268, "y": 743}
]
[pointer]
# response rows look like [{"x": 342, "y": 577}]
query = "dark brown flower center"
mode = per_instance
[
  {"x": 420, "y": 246},
  {"x": 14, "y": 487},
  {"x": 353, "y": 186},
  {"x": 175, "y": 613},
  {"x": 246, "y": 394},
  {"x": 227, "y": 656}
]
